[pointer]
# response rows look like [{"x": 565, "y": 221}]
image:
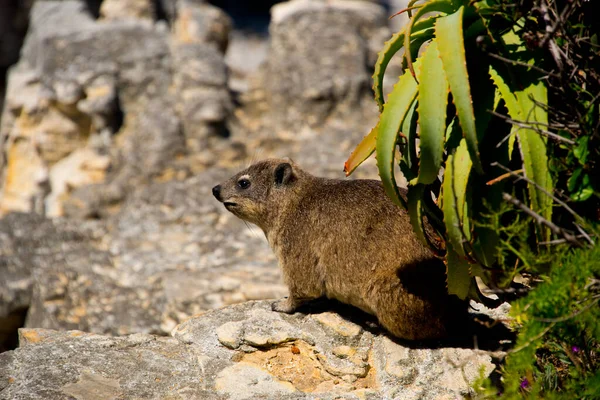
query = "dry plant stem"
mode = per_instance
[
  {"x": 559, "y": 241},
  {"x": 526, "y": 179},
  {"x": 503, "y": 176},
  {"x": 573, "y": 314},
  {"x": 526, "y": 125},
  {"x": 541, "y": 220},
  {"x": 556, "y": 199},
  {"x": 522, "y": 64},
  {"x": 584, "y": 234},
  {"x": 542, "y": 333}
]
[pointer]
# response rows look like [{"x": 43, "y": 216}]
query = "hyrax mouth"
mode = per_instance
[{"x": 229, "y": 204}]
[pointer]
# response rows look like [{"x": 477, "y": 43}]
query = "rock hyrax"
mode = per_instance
[{"x": 346, "y": 240}]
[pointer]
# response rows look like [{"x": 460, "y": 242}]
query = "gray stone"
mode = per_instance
[
  {"x": 200, "y": 22},
  {"x": 244, "y": 351},
  {"x": 74, "y": 364},
  {"x": 203, "y": 99},
  {"x": 301, "y": 350},
  {"x": 320, "y": 62}
]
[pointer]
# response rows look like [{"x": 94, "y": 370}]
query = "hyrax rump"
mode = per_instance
[{"x": 344, "y": 239}]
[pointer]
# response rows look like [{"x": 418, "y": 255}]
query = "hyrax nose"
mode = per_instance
[{"x": 217, "y": 192}]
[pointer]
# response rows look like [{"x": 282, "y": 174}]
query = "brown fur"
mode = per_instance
[{"x": 344, "y": 239}]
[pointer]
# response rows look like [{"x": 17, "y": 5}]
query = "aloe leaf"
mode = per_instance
[
  {"x": 529, "y": 92},
  {"x": 512, "y": 105},
  {"x": 415, "y": 211},
  {"x": 390, "y": 48},
  {"x": 416, "y": 43},
  {"x": 457, "y": 273},
  {"x": 433, "y": 99},
  {"x": 455, "y": 206},
  {"x": 399, "y": 103},
  {"x": 409, "y": 129},
  {"x": 533, "y": 152},
  {"x": 449, "y": 35},
  {"x": 361, "y": 152},
  {"x": 437, "y": 6}
]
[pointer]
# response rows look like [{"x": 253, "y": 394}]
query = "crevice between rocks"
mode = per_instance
[{"x": 9, "y": 329}]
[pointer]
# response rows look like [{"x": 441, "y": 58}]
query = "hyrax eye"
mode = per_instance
[{"x": 243, "y": 183}]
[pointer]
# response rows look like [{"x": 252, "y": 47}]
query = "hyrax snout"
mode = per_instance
[{"x": 345, "y": 240}]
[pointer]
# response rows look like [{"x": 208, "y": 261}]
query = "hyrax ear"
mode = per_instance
[{"x": 284, "y": 174}]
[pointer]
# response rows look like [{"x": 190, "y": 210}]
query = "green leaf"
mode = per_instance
[
  {"x": 449, "y": 35},
  {"x": 580, "y": 186},
  {"x": 454, "y": 205},
  {"x": 511, "y": 103},
  {"x": 437, "y": 6},
  {"x": 409, "y": 155},
  {"x": 363, "y": 151},
  {"x": 394, "y": 112},
  {"x": 457, "y": 272},
  {"x": 390, "y": 48},
  {"x": 415, "y": 211},
  {"x": 574, "y": 180},
  {"x": 433, "y": 99},
  {"x": 581, "y": 151},
  {"x": 533, "y": 152},
  {"x": 415, "y": 45}
]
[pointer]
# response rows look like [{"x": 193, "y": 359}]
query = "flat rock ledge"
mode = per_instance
[{"x": 243, "y": 351}]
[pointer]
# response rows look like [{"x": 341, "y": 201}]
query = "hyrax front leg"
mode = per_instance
[
  {"x": 288, "y": 304},
  {"x": 303, "y": 284}
]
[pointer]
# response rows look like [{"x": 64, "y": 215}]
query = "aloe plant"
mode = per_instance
[{"x": 464, "y": 67}]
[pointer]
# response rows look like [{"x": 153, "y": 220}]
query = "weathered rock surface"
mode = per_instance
[
  {"x": 111, "y": 88},
  {"x": 244, "y": 351},
  {"x": 320, "y": 60},
  {"x": 170, "y": 253}
]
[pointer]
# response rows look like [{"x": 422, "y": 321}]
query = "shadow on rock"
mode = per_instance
[{"x": 481, "y": 332}]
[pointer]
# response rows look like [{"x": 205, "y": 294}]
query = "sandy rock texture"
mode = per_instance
[{"x": 244, "y": 351}]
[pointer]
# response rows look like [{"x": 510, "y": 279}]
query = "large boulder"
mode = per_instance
[
  {"x": 244, "y": 351},
  {"x": 320, "y": 60}
]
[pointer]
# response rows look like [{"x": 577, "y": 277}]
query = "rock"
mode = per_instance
[
  {"x": 100, "y": 367},
  {"x": 203, "y": 99},
  {"x": 128, "y": 9},
  {"x": 110, "y": 88},
  {"x": 297, "y": 358},
  {"x": 171, "y": 252},
  {"x": 202, "y": 23},
  {"x": 29, "y": 242},
  {"x": 316, "y": 357},
  {"x": 320, "y": 62}
]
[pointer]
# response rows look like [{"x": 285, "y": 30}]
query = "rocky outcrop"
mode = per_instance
[
  {"x": 320, "y": 60},
  {"x": 170, "y": 253},
  {"x": 244, "y": 351},
  {"x": 110, "y": 89}
]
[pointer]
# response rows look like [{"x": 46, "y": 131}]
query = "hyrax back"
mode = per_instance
[{"x": 344, "y": 239}]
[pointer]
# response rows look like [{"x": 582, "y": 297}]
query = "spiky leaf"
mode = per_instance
[
  {"x": 456, "y": 213},
  {"x": 390, "y": 48},
  {"x": 363, "y": 151},
  {"x": 449, "y": 35},
  {"x": 433, "y": 99}
]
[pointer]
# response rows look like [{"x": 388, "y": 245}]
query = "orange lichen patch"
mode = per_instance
[
  {"x": 76, "y": 333},
  {"x": 11, "y": 380},
  {"x": 23, "y": 165},
  {"x": 29, "y": 336},
  {"x": 297, "y": 363}
]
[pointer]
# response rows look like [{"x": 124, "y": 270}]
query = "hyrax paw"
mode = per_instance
[{"x": 283, "y": 306}]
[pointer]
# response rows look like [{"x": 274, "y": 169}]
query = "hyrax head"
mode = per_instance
[{"x": 255, "y": 193}]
